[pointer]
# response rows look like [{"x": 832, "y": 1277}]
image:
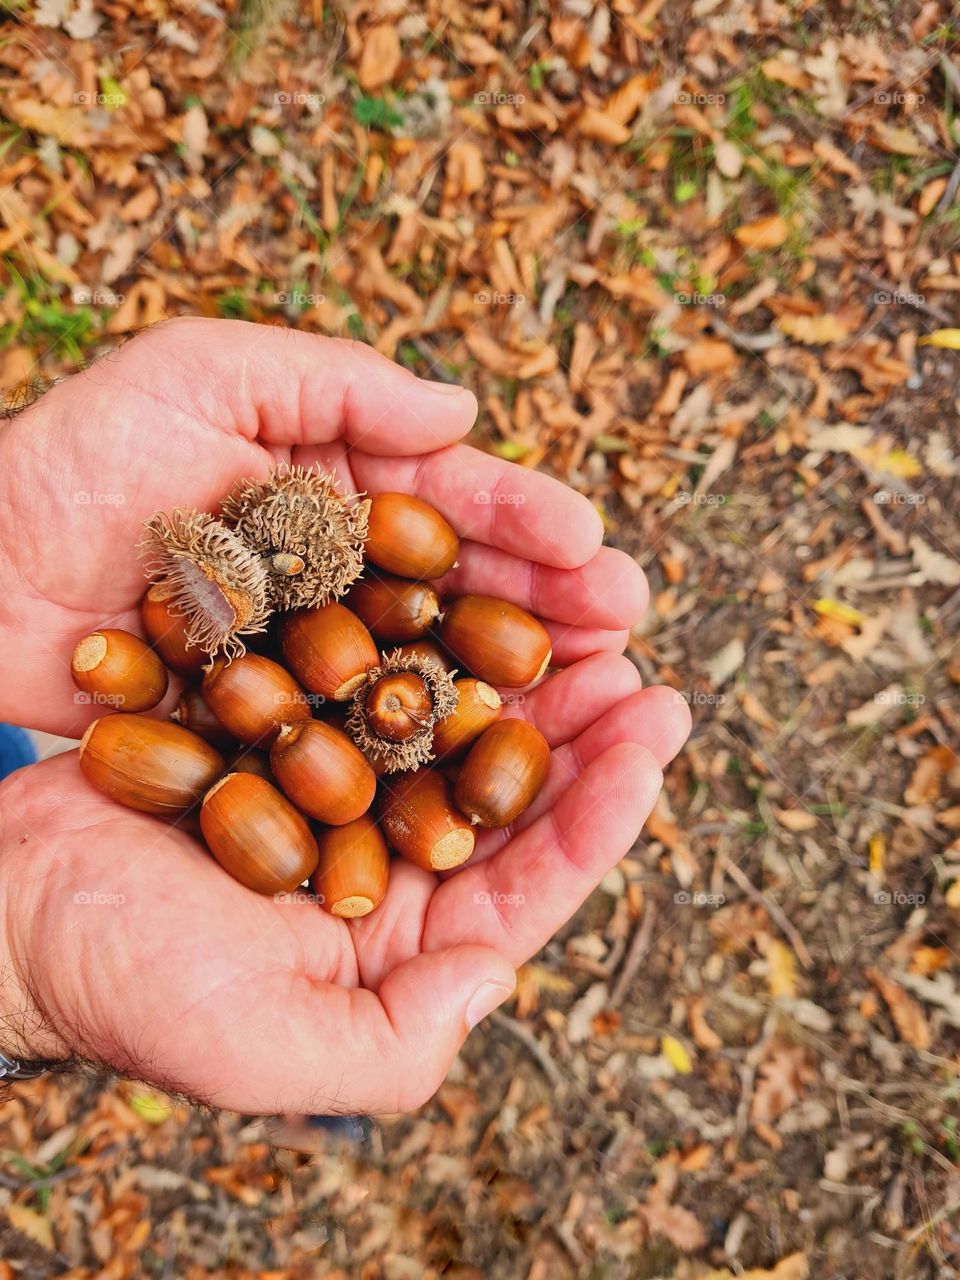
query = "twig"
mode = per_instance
[
  {"x": 799, "y": 946},
  {"x": 948, "y": 197},
  {"x": 639, "y": 946},
  {"x": 532, "y": 1046},
  {"x": 943, "y": 1212},
  {"x": 747, "y": 341}
]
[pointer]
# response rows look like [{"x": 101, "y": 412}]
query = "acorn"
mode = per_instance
[
  {"x": 503, "y": 773},
  {"x": 354, "y": 867},
  {"x": 167, "y": 632},
  {"x": 395, "y": 609},
  {"x": 252, "y": 697},
  {"x": 247, "y": 760},
  {"x": 151, "y": 765},
  {"x": 398, "y": 706},
  {"x": 421, "y": 821},
  {"x": 257, "y": 835},
  {"x": 499, "y": 642},
  {"x": 426, "y": 647},
  {"x": 210, "y": 576},
  {"x": 328, "y": 649},
  {"x": 322, "y": 772},
  {"x": 391, "y": 720},
  {"x": 310, "y": 536},
  {"x": 193, "y": 712},
  {"x": 478, "y": 707},
  {"x": 408, "y": 537},
  {"x": 119, "y": 670}
]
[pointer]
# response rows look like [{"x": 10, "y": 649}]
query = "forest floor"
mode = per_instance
[{"x": 701, "y": 261}]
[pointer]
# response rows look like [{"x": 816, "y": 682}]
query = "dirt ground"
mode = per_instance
[{"x": 701, "y": 261}]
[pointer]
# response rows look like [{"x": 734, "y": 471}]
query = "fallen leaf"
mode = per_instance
[
  {"x": 767, "y": 233},
  {"x": 796, "y": 819},
  {"x": 380, "y": 57},
  {"x": 839, "y": 611},
  {"x": 676, "y": 1055},
  {"x": 814, "y": 331},
  {"x": 677, "y": 1224},
  {"x": 906, "y": 1013},
  {"x": 32, "y": 1224},
  {"x": 781, "y": 970},
  {"x": 932, "y": 565}
]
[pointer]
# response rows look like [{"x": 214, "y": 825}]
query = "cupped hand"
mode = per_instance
[{"x": 121, "y": 940}]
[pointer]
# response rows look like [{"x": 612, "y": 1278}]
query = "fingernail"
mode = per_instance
[
  {"x": 444, "y": 388},
  {"x": 486, "y": 998}
]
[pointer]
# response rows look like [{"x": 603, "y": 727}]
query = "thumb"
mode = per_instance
[{"x": 290, "y": 388}]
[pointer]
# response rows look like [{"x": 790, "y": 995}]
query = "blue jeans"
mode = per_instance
[{"x": 16, "y": 749}]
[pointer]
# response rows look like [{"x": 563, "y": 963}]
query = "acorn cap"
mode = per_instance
[
  {"x": 209, "y": 576},
  {"x": 310, "y": 535},
  {"x": 417, "y": 749}
]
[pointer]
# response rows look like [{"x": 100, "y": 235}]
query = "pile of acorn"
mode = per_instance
[{"x": 364, "y": 716}]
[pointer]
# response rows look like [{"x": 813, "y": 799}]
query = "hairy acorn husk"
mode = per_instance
[
  {"x": 394, "y": 609},
  {"x": 354, "y": 868},
  {"x": 416, "y": 749},
  {"x": 118, "y": 669},
  {"x": 257, "y": 835},
  {"x": 503, "y": 773},
  {"x": 498, "y": 642},
  {"x": 151, "y": 765},
  {"x": 167, "y": 632},
  {"x": 421, "y": 821},
  {"x": 194, "y": 713},
  {"x": 398, "y": 706},
  {"x": 479, "y": 707},
  {"x": 253, "y": 696},
  {"x": 210, "y": 576},
  {"x": 328, "y": 649},
  {"x": 310, "y": 536},
  {"x": 409, "y": 538},
  {"x": 322, "y": 772}
]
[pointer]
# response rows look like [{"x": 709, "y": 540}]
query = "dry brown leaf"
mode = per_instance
[
  {"x": 796, "y": 819},
  {"x": 704, "y": 1036},
  {"x": 624, "y": 103},
  {"x": 380, "y": 57},
  {"x": 756, "y": 710},
  {"x": 709, "y": 355},
  {"x": 767, "y": 233},
  {"x": 781, "y": 971},
  {"x": 814, "y": 331},
  {"x": 925, "y": 784},
  {"x": 782, "y": 1080},
  {"x": 785, "y": 72},
  {"x": 677, "y": 1224},
  {"x": 601, "y": 127},
  {"x": 907, "y": 1015},
  {"x": 32, "y": 1224}
]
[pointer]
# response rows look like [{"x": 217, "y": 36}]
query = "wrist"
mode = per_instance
[{"x": 26, "y": 1031}]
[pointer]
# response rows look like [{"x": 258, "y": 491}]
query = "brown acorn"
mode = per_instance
[
  {"x": 351, "y": 877},
  {"x": 257, "y": 835},
  {"x": 322, "y": 772},
  {"x": 394, "y": 609},
  {"x": 167, "y": 632},
  {"x": 408, "y": 537},
  {"x": 503, "y": 773},
  {"x": 151, "y": 765},
  {"x": 328, "y": 649},
  {"x": 247, "y": 760},
  {"x": 399, "y": 706},
  {"x": 429, "y": 649},
  {"x": 118, "y": 669},
  {"x": 193, "y": 712},
  {"x": 252, "y": 697},
  {"x": 499, "y": 642},
  {"x": 478, "y": 707},
  {"x": 421, "y": 821}
]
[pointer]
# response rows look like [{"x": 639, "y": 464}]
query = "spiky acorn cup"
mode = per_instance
[
  {"x": 210, "y": 576},
  {"x": 393, "y": 713},
  {"x": 310, "y": 536}
]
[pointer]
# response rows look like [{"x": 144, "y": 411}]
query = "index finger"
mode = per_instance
[{"x": 492, "y": 501}]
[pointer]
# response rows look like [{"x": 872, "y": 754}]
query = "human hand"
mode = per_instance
[{"x": 123, "y": 941}]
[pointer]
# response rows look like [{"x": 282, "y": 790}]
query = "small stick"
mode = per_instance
[
  {"x": 532, "y": 1046},
  {"x": 803, "y": 955},
  {"x": 639, "y": 946}
]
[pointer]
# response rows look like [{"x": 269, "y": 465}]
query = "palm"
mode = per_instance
[{"x": 190, "y": 979}]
